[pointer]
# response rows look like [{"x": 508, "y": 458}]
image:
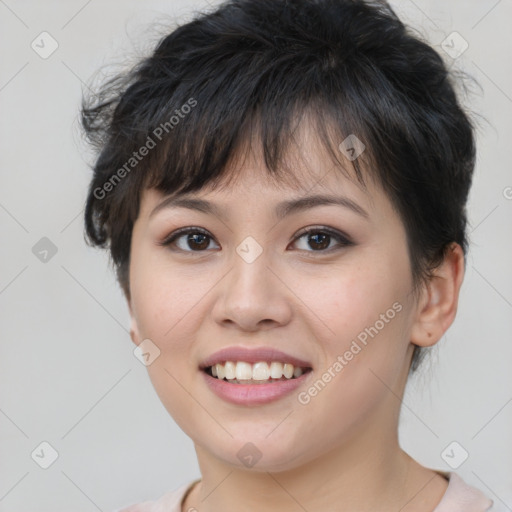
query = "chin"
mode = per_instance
[{"x": 259, "y": 455}]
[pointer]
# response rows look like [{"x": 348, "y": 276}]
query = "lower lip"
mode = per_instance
[{"x": 253, "y": 394}]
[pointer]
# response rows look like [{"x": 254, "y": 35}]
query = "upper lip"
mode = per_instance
[{"x": 253, "y": 355}]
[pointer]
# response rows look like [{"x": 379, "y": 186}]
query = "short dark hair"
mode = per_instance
[{"x": 256, "y": 66}]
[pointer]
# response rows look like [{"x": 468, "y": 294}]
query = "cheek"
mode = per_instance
[
  {"x": 166, "y": 305},
  {"x": 365, "y": 314},
  {"x": 368, "y": 309},
  {"x": 165, "y": 297},
  {"x": 353, "y": 298},
  {"x": 364, "y": 357}
]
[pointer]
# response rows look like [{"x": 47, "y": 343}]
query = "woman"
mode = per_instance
[{"x": 282, "y": 188}]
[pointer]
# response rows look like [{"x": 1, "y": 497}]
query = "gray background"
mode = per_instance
[{"x": 67, "y": 369}]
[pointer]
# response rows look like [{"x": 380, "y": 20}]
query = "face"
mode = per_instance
[{"x": 338, "y": 298}]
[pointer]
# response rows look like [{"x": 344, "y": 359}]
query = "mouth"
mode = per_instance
[{"x": 260, "y": 372}]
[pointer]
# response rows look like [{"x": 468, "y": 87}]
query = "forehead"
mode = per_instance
[
  {"x": 307, "y": 160},
  {"x": 306, "y": 168}
]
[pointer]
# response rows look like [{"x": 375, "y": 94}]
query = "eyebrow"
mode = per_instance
[{"x": 282, "y": 209}]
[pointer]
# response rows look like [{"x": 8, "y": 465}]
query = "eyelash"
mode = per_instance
[{"x": 343, "y": 240}]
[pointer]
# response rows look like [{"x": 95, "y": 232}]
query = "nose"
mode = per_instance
[{"x": 252, "y": 296}]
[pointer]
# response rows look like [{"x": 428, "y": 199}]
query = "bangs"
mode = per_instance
[{"x": 278, "y": 119}]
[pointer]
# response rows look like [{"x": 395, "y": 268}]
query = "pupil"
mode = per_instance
[
  {"x": 192, "y": 236},
  {"x": 325, "y": 236}
]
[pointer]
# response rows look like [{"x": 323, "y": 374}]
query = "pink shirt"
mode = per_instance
[{"x": 459, "y": 497}]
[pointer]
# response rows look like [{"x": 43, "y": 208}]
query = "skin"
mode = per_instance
[{"x": 342, "y": 447}]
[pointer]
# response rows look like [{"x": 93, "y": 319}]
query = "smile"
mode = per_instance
[
  {"x": 255, "y": 390},
  {"x": 262, "y": 372}
]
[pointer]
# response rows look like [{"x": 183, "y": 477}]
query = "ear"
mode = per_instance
[
  {"x": 437, "y": 306},
  {"x": 134, "y": 328}
]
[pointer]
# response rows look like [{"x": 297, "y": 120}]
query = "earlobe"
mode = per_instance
[
  {"x": 438, "y": 305},
  {"x": 134, "y": 330},
  {"x": 134, "y": 335}
]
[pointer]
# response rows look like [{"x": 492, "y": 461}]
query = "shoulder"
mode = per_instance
[
  {"x": 169, "y": 502},
  {"x": 460, "y": 496}
]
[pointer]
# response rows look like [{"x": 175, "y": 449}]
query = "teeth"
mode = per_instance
[
  {"x": 260, "y": 371},
  {"x": 243, "y": 371},
  {"x": 221, "y": 372},
  {"x": 276, "y": 370},
  {"x": 230, "y": 370},
  {"x": 288, "y": 370}
]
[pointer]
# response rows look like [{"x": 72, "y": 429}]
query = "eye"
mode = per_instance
[
  {"x": 194, "y": 239},
  {"x": 320, "y": 238},
  {"x": 191, "y": 239}
]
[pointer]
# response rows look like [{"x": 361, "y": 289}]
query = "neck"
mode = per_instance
[{"x": 375, "y": 481}]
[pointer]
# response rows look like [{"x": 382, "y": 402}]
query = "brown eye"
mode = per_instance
[
  {"x": 188, "y": 240},
  {"x": 198, "y": 241},
  {"x": 320, "y": 239},
  {"x": 194, "y": 239}
]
